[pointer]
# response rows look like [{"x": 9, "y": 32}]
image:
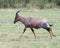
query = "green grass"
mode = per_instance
[{"x": 9, "y": 31}]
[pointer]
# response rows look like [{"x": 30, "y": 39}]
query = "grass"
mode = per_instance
[{"x": 9, "y": 31}]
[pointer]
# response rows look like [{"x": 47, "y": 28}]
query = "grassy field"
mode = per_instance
[{"x": 9, "y": 31}]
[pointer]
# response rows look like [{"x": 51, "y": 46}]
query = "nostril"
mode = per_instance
[{"x": 14, "y": 22}]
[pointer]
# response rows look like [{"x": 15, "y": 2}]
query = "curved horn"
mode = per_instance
[{"x": 17, "y": 12}]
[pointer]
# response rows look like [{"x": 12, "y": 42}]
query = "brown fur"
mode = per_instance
[{"x": 33, "y": 23}]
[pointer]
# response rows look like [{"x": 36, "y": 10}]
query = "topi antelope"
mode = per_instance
[{"x": 33, "y": 23}]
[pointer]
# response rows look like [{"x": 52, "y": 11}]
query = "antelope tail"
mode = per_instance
[{"x": 50, "y": 25}]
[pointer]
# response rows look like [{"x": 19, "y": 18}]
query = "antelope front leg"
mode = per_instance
[
  {"x": 33, "y": 32},
  {"x": 20, "y": 36},
  {"x": 22, "y": 33}
]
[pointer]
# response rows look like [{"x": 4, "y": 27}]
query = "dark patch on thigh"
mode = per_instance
[{"x": 44, "y": 25}]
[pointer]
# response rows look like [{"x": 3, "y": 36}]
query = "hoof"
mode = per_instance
[
  {"x": 15, "y": 39},
  {"x": 54, "y": 35}
]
